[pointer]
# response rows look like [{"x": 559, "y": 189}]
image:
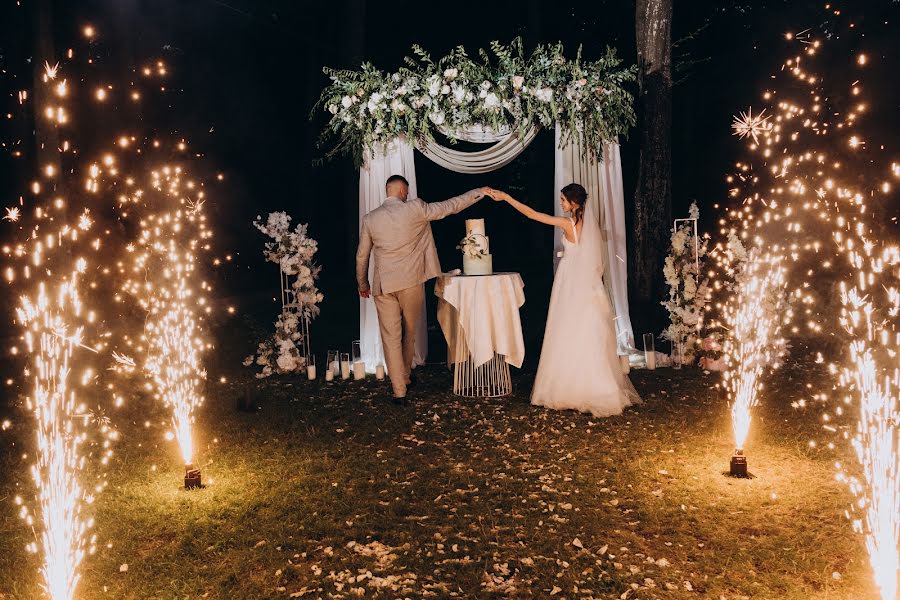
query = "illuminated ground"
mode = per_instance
[{"x": 330, "y": 492}]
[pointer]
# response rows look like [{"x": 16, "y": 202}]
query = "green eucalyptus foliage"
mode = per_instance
[{"x": 502, "y": 90}]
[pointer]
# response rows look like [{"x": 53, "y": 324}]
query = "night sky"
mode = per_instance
[{"x": 245, "y": 74}]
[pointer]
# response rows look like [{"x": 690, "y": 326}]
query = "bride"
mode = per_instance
[{"x": 579, "y": 368}]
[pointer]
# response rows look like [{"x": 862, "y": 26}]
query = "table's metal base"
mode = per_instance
[{"x": 490, "y": 380}]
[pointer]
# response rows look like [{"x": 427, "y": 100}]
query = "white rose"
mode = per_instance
[
  {"x": 450, "y": 73},
  {"x": 401, "y": 91},
  {"x": 459, "y": 94},
  {"x": 518, "y": 81},
  {"x": 332, "y": 108},
  {"x": 485, "y": 85},
  {"x": 492, "y": 101},
  {"x": 286, "y": 362},
  {"x": 374, "y": 99},
  {"x": 346, "y": 102},
  {"x": 445, "y": 89},
  {"x": 437, "y": 117}
]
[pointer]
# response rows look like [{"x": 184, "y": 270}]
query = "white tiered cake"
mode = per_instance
[{"x": 480, "y": 264}]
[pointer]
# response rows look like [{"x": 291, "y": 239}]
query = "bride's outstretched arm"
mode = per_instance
[{"x": 530, "y": 212}]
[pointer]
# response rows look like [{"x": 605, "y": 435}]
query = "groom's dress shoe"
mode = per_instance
[{"x": 413, "y": 382}]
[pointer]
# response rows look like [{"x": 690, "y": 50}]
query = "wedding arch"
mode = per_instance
[{"x": 501, "y": 102}]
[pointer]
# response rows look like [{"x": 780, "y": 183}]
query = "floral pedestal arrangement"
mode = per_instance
[{"x": 288, "y": 350}]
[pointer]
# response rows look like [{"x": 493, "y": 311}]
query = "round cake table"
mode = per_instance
[{"x": 479, "y": 316}]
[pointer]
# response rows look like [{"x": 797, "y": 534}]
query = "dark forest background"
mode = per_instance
[{"x": 246, "y": 73}]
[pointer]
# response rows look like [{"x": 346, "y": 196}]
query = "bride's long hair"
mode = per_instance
[{"x": 577, "y": 195}]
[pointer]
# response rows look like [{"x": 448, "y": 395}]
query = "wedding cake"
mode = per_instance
[{"x": 476, "y": 249}]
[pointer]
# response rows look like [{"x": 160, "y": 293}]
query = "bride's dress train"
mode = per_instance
[{"x": 579, "y": 368}]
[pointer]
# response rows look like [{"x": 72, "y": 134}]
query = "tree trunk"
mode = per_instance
[{"x": 653, "y": 193}]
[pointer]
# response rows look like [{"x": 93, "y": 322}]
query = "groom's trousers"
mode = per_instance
[{"x": 398, "y": 317}]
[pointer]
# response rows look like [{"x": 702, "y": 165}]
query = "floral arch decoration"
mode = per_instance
[{"x": 502, "y": 99}]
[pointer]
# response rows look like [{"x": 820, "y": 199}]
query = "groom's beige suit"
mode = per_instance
[{"x": 398, "y": 233}]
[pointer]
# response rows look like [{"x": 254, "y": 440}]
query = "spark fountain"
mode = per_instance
[
  {"x": 817, "y": 193},
  {"x": 162, "y": 277},
  {"x": 53, "y": 270},
  {"x": 869, "y": 378},
  {"x": 52, "y": 317},
  {"x": 753, "y": 317},
  {"x": 869, "y": 316}
]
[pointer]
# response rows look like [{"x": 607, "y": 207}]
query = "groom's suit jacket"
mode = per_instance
[{"x": 398, "y": 233}]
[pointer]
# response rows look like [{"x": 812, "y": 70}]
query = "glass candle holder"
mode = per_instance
[
  {"x": 649, "y": 351},
  {"x": 333, "y": 363},
  {"x": 345, "y": 365}
]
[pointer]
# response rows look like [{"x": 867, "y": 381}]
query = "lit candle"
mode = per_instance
[
  {"x": 626, "y": 364},
  {"x": 345, "y": 369},
  {"x": 359, "y": 370},
  {"x": 379, "y": 372},
  {"x": 311, "y": 372},
  {"x": 329, "y": 375},
  {"x": 651, "y": 359}
]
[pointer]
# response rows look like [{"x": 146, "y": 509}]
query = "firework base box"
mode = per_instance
[
  {"x": 738, "y": 464},
  {"x": 192, "y": 478}
]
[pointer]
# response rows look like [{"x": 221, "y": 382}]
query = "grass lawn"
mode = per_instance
[{"x": 328, "y": 491}]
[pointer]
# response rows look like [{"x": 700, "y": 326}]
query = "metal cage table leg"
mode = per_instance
[{"x": 490, "y": 380}]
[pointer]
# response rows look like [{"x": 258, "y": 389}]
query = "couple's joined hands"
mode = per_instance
[{"x": 495, "y": 194}]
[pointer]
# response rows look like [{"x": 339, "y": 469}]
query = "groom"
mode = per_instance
[{"x": 399, "y": 233}]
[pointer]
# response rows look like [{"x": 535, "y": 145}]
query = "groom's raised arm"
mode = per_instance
[
  {"x": 435, "y": 211},
  {"x": 363, "y": 251}
]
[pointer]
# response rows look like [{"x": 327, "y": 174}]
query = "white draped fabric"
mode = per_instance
[
  {"x": 486, "y": 311},
  {"x": 506, "y": 147},
  {"x": 603, "y": 182},
  {"x": 395, "y": 158}
]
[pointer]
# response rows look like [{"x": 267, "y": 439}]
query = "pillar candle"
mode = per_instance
[
  {"x": 345, "y": 369},
  {"x": 651, "y": 360},
  {"x": 311, "y": 372},
  {"x": 359, "y": 370},
  {"x": 329, "y": 375}
]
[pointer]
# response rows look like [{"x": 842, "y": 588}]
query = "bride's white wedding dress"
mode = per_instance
[{"x": 579, "y": 368}]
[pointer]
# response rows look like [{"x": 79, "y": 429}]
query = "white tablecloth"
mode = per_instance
[{"x": 485, "y": 308}]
